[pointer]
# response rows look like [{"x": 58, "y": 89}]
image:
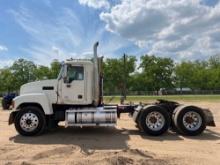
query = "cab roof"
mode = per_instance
[{"x": 79, "y": 61}]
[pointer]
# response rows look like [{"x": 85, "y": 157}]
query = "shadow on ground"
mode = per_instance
[
  {"x": 172, "y": 136},
  {"x": 86, "y": 138},
  {"x": 103, "y": 138}
]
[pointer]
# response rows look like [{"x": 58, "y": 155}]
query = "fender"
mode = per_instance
[
  {"x": 138, "y": 111},
  {"x": 39, "y": 98}
]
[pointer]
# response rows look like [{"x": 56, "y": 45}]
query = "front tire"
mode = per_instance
[
  {"x": 154, "y": 120},
  {"x": 30, "y": 121},
  {"x": 189, "y": 120}
]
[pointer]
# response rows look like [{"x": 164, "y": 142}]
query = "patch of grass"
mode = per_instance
[{"x": 144, "y": 99}]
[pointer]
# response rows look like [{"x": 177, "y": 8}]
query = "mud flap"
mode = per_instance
[
  {"x": 209, "y": 117},
  {"x": 12, "y": 117}
]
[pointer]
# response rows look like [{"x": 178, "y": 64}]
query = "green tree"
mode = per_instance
[
  {"x": 201, "y": 75},
  {"x": 214, "y": 82},
  {"x": 116, "y": 71},
  {"x": 184, "y": 73},
  {"x": 214, "y": 72},
  {"x": 42, "y": 72},
  {"x": 54, "y": 69},
  {"x": 157, "y": 72},
  {"x": 194, "y": 75},
  {"x": 214, "y": 61},
  {"x": 138, "y": 82},
  {"x": 7, "y": 80},
  {"x": 23, "y": 71}
]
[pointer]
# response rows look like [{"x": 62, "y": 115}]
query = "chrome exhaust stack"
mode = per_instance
[{"x": 96, "y": 89}]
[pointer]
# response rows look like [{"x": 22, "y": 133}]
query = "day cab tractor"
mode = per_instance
[{"x": 76, "y": 97}]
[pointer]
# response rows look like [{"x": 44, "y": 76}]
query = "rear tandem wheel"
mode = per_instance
[
  {"x": 154, "y": 120},
  {"x": 189, "y": 120}
]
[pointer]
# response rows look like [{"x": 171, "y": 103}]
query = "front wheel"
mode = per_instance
[
  {"x": 30, "y": 121},
  {"x": 154, "y": 120}
]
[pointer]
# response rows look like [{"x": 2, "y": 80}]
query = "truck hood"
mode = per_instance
[{"x": 39, "y": 86}]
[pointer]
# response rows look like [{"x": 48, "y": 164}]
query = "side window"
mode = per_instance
[{"x": 75, "y": 73}]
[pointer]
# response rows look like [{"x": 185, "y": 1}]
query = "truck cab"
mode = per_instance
[
  {"x": 74, "y": 97},
  {"x": 75, "y": 83}
]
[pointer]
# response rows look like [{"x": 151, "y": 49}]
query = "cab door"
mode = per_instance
[{"x": 73, "y": 85}]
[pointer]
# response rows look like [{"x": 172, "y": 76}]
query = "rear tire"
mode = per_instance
[
  {"x": 189, "y": 120},
  {"x": 154, "y": 120},
  {"x": 30, "y": 121}
]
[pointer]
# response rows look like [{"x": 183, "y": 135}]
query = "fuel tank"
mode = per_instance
[{"x": 100, "y": 116}]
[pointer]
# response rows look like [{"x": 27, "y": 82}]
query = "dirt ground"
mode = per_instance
[{"x": 121, "y": 145}]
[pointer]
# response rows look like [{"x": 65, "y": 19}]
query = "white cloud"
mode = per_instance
[
  {"x": 59, "y": 38},
  {"x": 43, "y": 55},
  {"x": 97, "y": 4},
  {"x": 63, "y": 37},
  {"x": 186, "y": 28},
  {"x": 3, "y": 48},
  {"x": 6, "y": 62}
]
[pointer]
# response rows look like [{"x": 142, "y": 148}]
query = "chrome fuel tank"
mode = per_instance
[{"x": 100, "y": 116}]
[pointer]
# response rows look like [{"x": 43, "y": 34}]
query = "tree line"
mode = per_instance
[
  {"x": 23, "y": 71},
  {"x": 151, "y": 73}
]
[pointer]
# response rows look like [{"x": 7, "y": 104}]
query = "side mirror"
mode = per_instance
[{"x": 66, "y": 80}]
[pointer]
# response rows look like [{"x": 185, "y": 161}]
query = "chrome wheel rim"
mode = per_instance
[
  {"x": 192, "y": 121},
  {"x": 155, "y": 121},
  {"x": 29, "y": 122}
]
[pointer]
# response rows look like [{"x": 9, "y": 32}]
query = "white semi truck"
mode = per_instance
[{"x": 76, "y": 97}]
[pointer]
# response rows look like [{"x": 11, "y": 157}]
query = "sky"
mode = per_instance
[{"x": 43, "y": 30}]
